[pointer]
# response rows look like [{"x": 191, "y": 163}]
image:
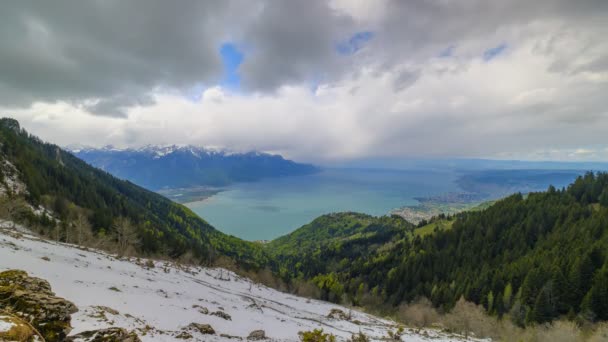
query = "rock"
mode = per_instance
[
  {"x": 105, "y": 335},
  {"x": 232, "y": 337},
  {"x": 222, "y": 314},
  {"x": 201, "y": 309},
  {"x": 204, "y": 329},
  {"x": 184, "y": 335},
  {"x": 257, "y": 335},
  {"x": 338, "y": 314},
  {"x": 15, "y": 329},
  {"x": 32, "y": 299}
]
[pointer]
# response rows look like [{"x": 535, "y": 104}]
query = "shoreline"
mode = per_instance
[{"x": 190, "y": 195}]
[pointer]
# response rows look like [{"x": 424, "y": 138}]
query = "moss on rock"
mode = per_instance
[
  {"x": 31, "y": 299},
  {"x": 15, "y": 329}
]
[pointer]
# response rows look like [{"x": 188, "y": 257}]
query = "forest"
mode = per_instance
[{"x": 534, "y": 258}]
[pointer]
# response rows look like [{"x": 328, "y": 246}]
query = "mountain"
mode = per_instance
[
  {"x": 156, "y": 167},
  {"x": 535, "y": 258},
  {"x": 77, "y": 201}
]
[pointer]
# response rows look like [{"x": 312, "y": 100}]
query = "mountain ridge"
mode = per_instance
[{"x": 179, "y": 166}]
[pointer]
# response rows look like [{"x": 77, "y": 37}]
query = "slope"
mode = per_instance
[
  {"x": 67, "y": 186},
  {"x": 160, "y": 300}
]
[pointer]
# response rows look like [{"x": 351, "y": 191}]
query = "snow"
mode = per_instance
[
  {"x": 10, "y": 180},
  {"x": 5, "y": 323},
  {"x": 161, "y": 151},
  {"x": 110, "y": 291}
]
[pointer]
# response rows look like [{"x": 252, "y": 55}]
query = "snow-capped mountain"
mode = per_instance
[{"x": 176, "y": 166}]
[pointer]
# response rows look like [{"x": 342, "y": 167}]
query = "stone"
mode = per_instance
[
  {"x": 257, "y": 335},
  {"x": 338, "y": 314},
  {"x": 204, "y": 329},
  {"x": 105, "y": 335},
  {"x": 184, "y": 335},
  {"x": 32, "y": 299},
  {"x": 222, "y": 314}
]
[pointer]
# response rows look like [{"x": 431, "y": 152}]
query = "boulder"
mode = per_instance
[
  {"x": 222, "y": 314},
  {"x": 31, "y": 299},
  {"x": 257, "y": 335},
  {"x": 105, "y": 335},
  {"x": 338, "y": 314},
  {"x": 204, "y": 329}
]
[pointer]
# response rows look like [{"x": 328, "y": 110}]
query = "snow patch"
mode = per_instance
[
  {"x": 159, "y": 302},
  {"x": 6, "y": 324}
]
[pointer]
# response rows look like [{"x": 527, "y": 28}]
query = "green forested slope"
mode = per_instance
[
  {"x": 59, "y": 180},
  {"x": 537, "y": 258}
]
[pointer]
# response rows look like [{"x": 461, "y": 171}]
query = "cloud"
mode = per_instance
[
  {"x": 315, "y": 80},
  {"x": 112, "y": 51}
]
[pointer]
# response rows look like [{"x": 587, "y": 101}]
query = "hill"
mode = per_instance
[
  {"x": 81, "y": 202},
  {"x": 157, "y": 167},
  {"x": 534, "y": 258}
]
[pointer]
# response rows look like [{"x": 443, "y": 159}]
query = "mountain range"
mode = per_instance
[{"x": 174, "y": 166}]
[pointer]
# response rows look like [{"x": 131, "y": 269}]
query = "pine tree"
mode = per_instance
[{"x": 543, "y": 310}]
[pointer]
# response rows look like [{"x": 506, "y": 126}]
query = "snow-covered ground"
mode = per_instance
[{"x": 159, "y": 302}]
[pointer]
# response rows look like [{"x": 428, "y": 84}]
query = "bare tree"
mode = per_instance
[
  {"x": 82, "y": 231},
  {"x": 125, "y": 234},
  {"x": 12, "y": 208}
]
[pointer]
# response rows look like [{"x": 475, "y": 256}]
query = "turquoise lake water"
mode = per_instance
[{"x": 270, "y": 208}]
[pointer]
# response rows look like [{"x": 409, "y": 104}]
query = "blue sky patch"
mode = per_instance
[
  {"x": 354, "y": 43},
  {"x": 489, "y": 54},
  {"x": 232, "y": 58},
  {"x": 447, "y": 52}
]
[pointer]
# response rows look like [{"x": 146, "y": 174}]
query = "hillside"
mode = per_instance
[
  {"x": 161, "y": 301},
  {"x": 86, "y": 202},
  {"x": 324, "y": 245},
  {"x": 157, "y": 167},
  {"x": 534, "y": 259}
]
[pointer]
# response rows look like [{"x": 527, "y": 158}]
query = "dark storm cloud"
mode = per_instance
[
  {"x": 110, "y": 50},
  {"x": 294, "y": 41}
]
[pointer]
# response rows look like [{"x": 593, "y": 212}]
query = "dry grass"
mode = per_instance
[
  {"x": 469, "y": 319},
  {"x": 418, "y": 314}
]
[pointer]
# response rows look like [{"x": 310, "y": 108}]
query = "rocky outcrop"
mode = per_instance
[
  {"x": 32, "y": 300},
  {"x": 105, "y": 335},
  {"x": 257, "y": 335}
]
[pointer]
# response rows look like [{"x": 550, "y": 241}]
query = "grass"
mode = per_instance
[{"x": 430, "y": 228}]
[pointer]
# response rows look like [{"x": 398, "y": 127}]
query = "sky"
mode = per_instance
[{"x": 319, "y": 81}]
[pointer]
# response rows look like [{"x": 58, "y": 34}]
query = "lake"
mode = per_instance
[{"x": 270, "y": 208}]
